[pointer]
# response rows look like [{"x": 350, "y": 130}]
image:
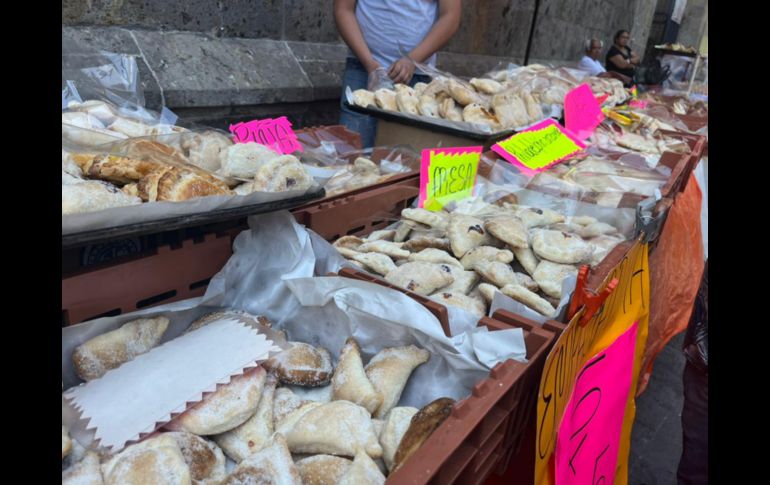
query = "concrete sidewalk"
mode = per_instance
[{"x": 656, "y": 440}]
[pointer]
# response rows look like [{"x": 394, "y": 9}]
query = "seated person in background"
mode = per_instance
[
  {"x": 620, "y": 58},
  {"x": 590, "y": 62}
]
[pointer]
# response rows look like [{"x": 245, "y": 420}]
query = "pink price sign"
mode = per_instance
[
  {"x": 582, "y": 111},
  {"x": 588, "y": 439},
  {"x": 274, "y": 133}
]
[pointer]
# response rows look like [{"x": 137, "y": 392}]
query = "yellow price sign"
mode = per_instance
[
  {"x": 539, "y": 147},
  {"x": 447, "y": 175}
]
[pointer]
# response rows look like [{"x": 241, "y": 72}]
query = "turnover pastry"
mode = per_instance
[
  {"x": 157, "y": 460},
  {"x": 302, "y": 364},
  {"x": 251, "y": 436},
  {"x": 419, "y": 243},
  {"x": 205, "y": 149},
  {"x": 392, "y": 249},
  {"x": 285, "y": 402},
  {"x": 389, "y": 371},
  {"x": 351, "y": 242},
  {"x": 603, "y": 245},
  {"x": 428, "y": 106},
  {"x": 535, "y": 217},
  {"x": 386, "y": 99},
  {"x": 485, "y": 253},
  {"x": 204, "y": 459},
  {"x": 529, "y": 298},
  {"x": 115, "y": 169},
  {"x": 449, "y": 110},
  {"x": 176, "y": 184},
  {"x": 130, "y": 128},
  {"x": 376, "y": 262},
  {"x": 433, "y": 255},
  {"x": 487, "y": 86},
  {"x": 239, "y": 315},
  {"x": 336, "y": 428},
  {"x": 549, "y": 276},
  {"x": 406, "y": 100},
  {"x": 560, "y": 247},
  {"x": 87, "y": 471},
  {"x": 382, "y": 235},
  {"x": 465, "y": 233},
  {"x": 79, "y": 196},
  {"x": 224, "y": 409},
  {"x": 527, "y": 259},
  {"x": 510, "y": 110},
  {"x": 422, "y": 278},
  {"x": 96, "y": 356},
  {"x": 282, "y": 174},
  {"x": 272, "y": 465},
  {"x": 421, "y": 427},
  {"x": 460, "y": 300},
  {"x": 243, "y": 160},
  {"x": 322, "y": 469},
  {"x": 509, "y": 229},
  {"x": 463, "y": 280},
  {"x": 363, "y": 98},
  {"x": 394, "y": 428},
  {"x": 497, "y": 273},
  {"x": 350, "y": 381},
  {"x": 66, "y": 442},
  {"x": 436, "y": 220},
  {"x": 462, "y": 93},
  {"x": 476, "y": 113},
  {"x": 363, "y": 471}
]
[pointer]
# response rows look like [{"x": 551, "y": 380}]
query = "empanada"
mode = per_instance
[
  {"x": 157, "y": 460},
  {"x": 85, "y": 472},
  {"x": 534, "y": 217},
  {"x": 603, "y": 245},
  {"x": 407, "y": 101},
  {"x": 527, "y": 259},
  {"x": 363, "y": 98},
  {"x": 284, "y": 403},
  {"x": 422, "y": 278},
  {"x": 322, "y": 469},
  {"x": 497, "y": 273},
  {"x": 376, "y": 262},
  {"x": 389, "y": 371},
  {"x": 351, "y": 242},
  {"x": 363, "y": 471},
  {"x": 460, "y": 300},
  {"x": 433, "y": 255},
  {"x": 224, "y": 409},
  {"x": 302, "y": 364},
  {"x": 487, "y": 86},
  {"x": 421, "y": 427},
  {"x": 464, "y": 280},
  {"x": 396, "y": 424},
  {"x": 382, "y": 235},
  {"x": 509, "y": 229},
  {"x": 272, "y": 465},
  {"x": 386, "y": 99},
  {"x": 464, "y": 95},
  {"x": 336, "y": 428},
  {"x": 478, "y": 114},
  {"x": 528, "y": 298},
  {"x": 448, "y": 110},
  {"x": 251, "y": 436},
  {"x": 465, "y": 233},
  {"x": 388, "y": 248},
  {"x": 204, "y": 459},
  {"x": 436, "y": 220},
  {"x": 109, "y": 350},
  {"x": 419, "y": 243},
  {"x": 282, "y": 174},
  {"x": 527, "y": 282},
  {"x": 428, "y": 106},
  {"x": 549, "y": 277},
  {"x": 486, "y": 253},
  {"x": 350, "y": 381},
  {"x": 560, "y": 247},
  {"x": 597, "y": 229}
]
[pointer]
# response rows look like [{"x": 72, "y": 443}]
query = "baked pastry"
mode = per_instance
[
  {"x": 93, "y": 358},
  {"x": 243, "y": 160},
  {"x": 376, "y": 262},
  {"x": 392, "y": 249},
  {"x": 363, "y": 471},
  {"x": 66, "y": 442},
  {"x": 394, "y": 428},
  {"x": 157, "y": 460},
  {"x": 535, "y": 217},
  {"x": 284, "y": 403},
  {"x": 389, "y": 370},
  {"x": 487, "y": 86},
  {"x": 449, "y": 110},
  {"x": 251, "y": 436},
  {"x": 464, "y": 281},
  {"x": 204, "y": 459},
  {"x": 436, "y": 220},
  {"x": 386, "y": 99},
  {"x": 205, "y": 149},
  {"x": 177, "y": 184},
  {"x": 527, "y": 259},
  {"x": 465, "y": 233},
  {"x": 422, "y": 278},
  {"x": 406, "y": 100},
  {"x": 226, "y": 408},
  {"x": 549, "y": 277},
  {"x": 282, "y": 174},
  {"x": 485, "y": 253},
  {"x": 509, "y": 229},
  {"x": 115, "y": 169},
  {"x": 336, "y": 428},
  {"x": 460, "y": 300},
  {"x": 497, "y": 273},
  {"x": 427, "y": 106},
  {"x": 350, "y": 381},
  {"x": 272, "y": 465},
  {"x": 463, "y": 94},
  {"x": 322, "y": 469},
  {"x": 363, "y": 98},
  {"x": 510, "y": 110},
  {"x": 79, "y": 196},
  {"x": 302, "y": 364},
  {"x": 433, "y": 255},
  {"x": 560, "y": 247},
  {"x": 419, "y": 243},
  {"x": 423, "y": 423},
  {"x": 130, "y": 128},
  {"x": 382, "y": 235},
  {"x": 528, "y": 298}
]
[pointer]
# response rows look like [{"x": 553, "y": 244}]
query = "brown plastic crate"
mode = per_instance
[
  {"x": 170, "y": 274},
  {"x": 486, "y": 429},
  {"x": 361, "y": 211}
]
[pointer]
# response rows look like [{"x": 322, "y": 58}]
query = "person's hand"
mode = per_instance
[
  {"x": 402, "y": 70},
  {"x": 378, "y": 79}
]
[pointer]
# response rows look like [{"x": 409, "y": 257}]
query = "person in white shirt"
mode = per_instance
[{"x": 590, "y": 62}]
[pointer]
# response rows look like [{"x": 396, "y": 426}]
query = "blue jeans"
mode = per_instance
[{"x": 356, "y": 77}]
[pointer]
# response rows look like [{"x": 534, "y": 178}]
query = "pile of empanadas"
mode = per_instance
[
  {"x": 296, "y": 419},
  {"x": 462, "y": 258},
  {"x": 481, "y": 101}
]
